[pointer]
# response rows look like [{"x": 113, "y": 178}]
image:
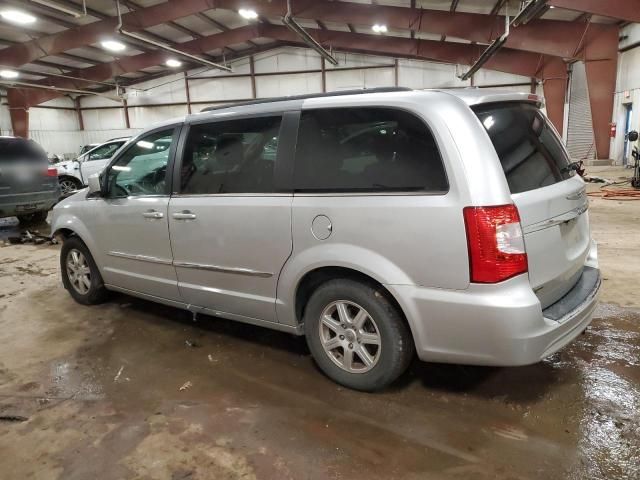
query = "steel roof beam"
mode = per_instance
[
  {"x": 506, "y": 60},
  {"x": 80, "y": 36},
  {"x": 135, "y": 63},
  {"x": 550, "y": 37},
  {"x": 628, "y": 10}
]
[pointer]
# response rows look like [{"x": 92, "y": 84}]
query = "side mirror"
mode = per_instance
[
  {"x": 632, "y": 136},
  {"x": 95, "y": 188}
]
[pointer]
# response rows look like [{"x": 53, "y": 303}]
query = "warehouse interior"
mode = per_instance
[{"x": 134, "y": 389}]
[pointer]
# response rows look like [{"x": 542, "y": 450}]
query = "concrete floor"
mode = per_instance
[{"x": 99, "y": 390}]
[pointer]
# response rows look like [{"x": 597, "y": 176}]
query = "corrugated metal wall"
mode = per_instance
[
  {"x": 164, "y": 98},
  {"x": 580, "y": 140}
]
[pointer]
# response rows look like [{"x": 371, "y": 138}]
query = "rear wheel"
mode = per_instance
[
  {"x": 80, "y": 274},
  {"x": 33, "y": 218},
  {"x": 356, "y": 335}
]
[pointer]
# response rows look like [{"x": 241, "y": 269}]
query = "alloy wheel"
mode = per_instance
[
  {"x": 350, "y": 336},
  {"x": 78, "y": 271},
  {"x": 67, "y": 186}
]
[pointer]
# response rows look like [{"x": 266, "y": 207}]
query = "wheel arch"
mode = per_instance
[
  {"x": 68, "y": 225},
  {"x": 70, "y": 177},
  {"x": 312, "y": 279}
]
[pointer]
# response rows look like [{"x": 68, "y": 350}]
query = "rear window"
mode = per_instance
[
  {"x": 529, "y": 149},
  {"x": 366, "y": 149},
  {"x": 12, "y": 149}
]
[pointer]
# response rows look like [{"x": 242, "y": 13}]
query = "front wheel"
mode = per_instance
[
  {"x": 356, "y": 335},
  {"x": 80, "y": 274}
]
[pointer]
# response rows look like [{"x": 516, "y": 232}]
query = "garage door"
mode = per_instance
[{"x": 580, "y": 142}]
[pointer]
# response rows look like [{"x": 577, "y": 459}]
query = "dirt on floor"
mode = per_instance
[{"x": 130, "y": 389}]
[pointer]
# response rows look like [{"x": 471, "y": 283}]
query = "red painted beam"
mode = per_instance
[
  {"x": 20, "y": 54},
  {"x": 555, "y": 90},
  {"x": 628, "y": 10},
  {"x": 506, "y": 60},
  {"x": 549, "y": 37},
  {"x": 134, "y": 63},
  {"x": 601, "y": 64},
  {"x": 19, "y": 112}
]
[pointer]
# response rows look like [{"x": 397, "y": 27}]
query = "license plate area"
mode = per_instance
[{"x": 27, "y": 207}]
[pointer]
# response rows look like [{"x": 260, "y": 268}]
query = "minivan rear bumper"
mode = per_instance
[{"x": 502, "y": 325}]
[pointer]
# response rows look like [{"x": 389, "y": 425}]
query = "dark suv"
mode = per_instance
[{"x": 28, "y": 185}]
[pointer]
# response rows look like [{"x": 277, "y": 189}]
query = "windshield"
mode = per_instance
[
  {"x": 103, "y": 152},
  {"x": 530, "y": 151}
]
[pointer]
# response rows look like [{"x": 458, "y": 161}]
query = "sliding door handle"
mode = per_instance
[
  {"x": 153, "y": 214},
  {"x": 184, "y": 215}
]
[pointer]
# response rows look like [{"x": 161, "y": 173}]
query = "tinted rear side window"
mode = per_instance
[
  {"x": 366, "y": 150},
  {"x": 530, "y": 151}
]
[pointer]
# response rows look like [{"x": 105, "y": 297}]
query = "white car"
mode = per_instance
[{"x": 73, "y": 174}]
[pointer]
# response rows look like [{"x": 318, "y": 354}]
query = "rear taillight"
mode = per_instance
[
  {"x": 52, "y": 172},
  {"x": 495, "y": 242}
]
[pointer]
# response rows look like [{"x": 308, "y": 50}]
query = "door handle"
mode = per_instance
[
  {"x": 153, "y": 214},
  {"x": 184, "y": 215}
]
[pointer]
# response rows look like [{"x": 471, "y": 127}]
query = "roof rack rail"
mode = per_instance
[{"x": 339, "y": 93}]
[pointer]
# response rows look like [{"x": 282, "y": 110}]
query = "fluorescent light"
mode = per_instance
[
  {"x": 145, "y": 144},
  {"x": 17, "y": 16},
  {"x": 173, "y": 63},
  {"x": 113, "y": 45},
  {"x": 489, "y": 122},
  {"x": 248, "y": 14},
  {"x": 8, "y": 74},
  {"x": 379, "y": 28}
]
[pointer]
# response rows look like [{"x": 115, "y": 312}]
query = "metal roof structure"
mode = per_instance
[{"x": 61, "y": 52}]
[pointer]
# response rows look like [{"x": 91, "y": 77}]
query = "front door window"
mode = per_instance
[{"x": 142, "y": 169}]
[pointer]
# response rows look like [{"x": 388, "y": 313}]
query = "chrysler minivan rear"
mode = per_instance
[{"x": 533, "y": 273}]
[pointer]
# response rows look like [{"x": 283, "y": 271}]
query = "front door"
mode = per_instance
[
  {"x": 130, "y": 225},
  {"x": 230, "y": 230}
]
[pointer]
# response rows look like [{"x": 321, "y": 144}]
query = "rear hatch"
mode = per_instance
[
  {"x": 24, "y": 168},
  {"x": 550, "y": 197}
]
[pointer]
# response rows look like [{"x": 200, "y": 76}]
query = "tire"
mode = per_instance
[
  {"x": 33, "y": 218},
  {"x": 365, "y": 306},
  {"x": 69, "y": 184},
  {"x": 75, "y": 259}
]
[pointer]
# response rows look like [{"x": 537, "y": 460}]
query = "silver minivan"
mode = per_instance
[{"x": 377, "y": 223}]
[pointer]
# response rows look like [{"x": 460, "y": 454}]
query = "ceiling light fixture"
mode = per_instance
[
  {"x": 9, "y": 74},
  {"x": 17, "y": 16},
  {"x": 379, "y": 28},
  {"x": 113, "y": 45},
  {"x": 248, "y": 13},
  {"x": 173, "y": 63}
]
